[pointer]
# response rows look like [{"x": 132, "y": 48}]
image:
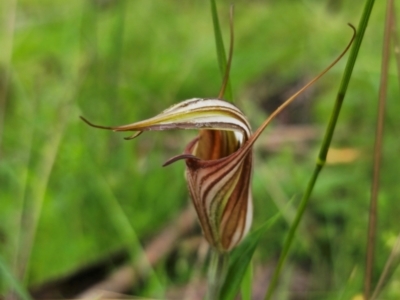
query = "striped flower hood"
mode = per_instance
[{"x": 218, "y": 166}]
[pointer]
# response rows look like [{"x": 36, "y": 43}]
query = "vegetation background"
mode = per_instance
[{"x": 72, "y": 196}]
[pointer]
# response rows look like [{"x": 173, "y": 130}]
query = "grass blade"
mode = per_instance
[
  {"x": 9, "y": 279},
  {"x": 220, "y": 49}
]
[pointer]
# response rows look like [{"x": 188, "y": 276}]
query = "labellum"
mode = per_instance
[{"x": 218, "y": 161}]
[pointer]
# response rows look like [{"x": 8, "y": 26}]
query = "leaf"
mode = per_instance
[
  {"x": 10, "y": 280},
  {"x": 246, "y": 286},
  {"x": 240, "y": 260}
]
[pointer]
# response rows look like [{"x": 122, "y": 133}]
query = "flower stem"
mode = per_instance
[{"x": 216, "y": 274}]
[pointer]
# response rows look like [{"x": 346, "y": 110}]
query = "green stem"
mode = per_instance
[
  {"x": 325, "y": 144},
  {"x": 217, "y": 273}
]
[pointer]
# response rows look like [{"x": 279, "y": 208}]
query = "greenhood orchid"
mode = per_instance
[
  {"x": 218, "y": 161},
  {"x": 218, "y": 166}
]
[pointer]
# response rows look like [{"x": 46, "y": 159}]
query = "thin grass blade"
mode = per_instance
[{"x": 220, "y": 50}]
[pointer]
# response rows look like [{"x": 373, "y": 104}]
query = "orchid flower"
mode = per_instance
[
  {"x": 218, "y": 165},
  {"x": 218, "y": 161}
]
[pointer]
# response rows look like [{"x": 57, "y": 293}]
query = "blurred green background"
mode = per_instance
[{"x": 72, "y": 195}]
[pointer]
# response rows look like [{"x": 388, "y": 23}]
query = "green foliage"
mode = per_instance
[{"x": 71, "y": 195}]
